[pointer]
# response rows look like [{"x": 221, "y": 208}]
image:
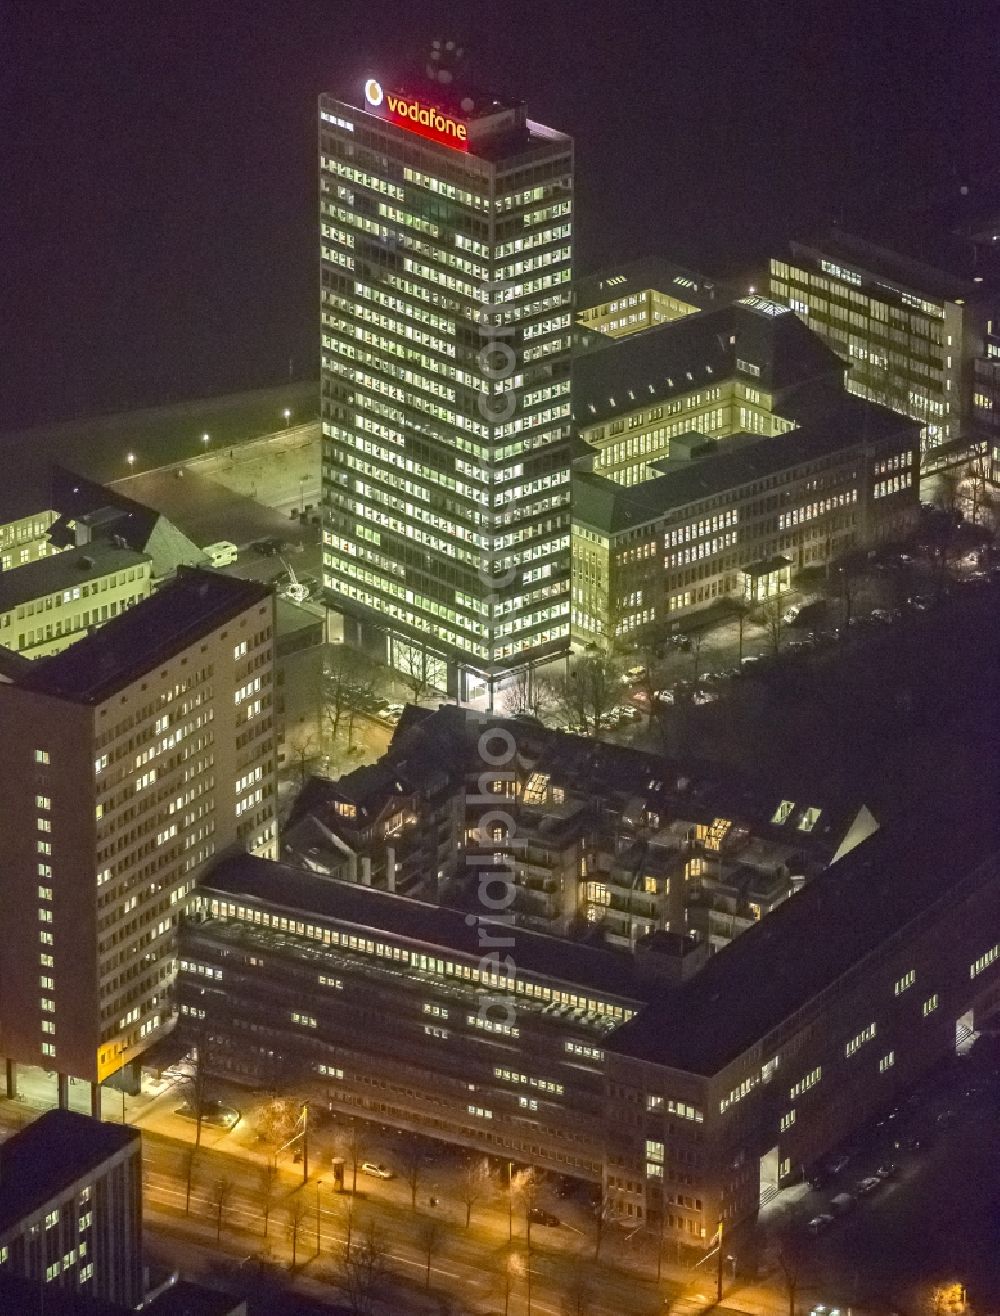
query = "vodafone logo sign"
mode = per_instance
[{"x": 417, "y": 117}]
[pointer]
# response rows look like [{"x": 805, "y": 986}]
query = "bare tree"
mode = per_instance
[
  {"x": 351, "y": 684},
  {"x": 414, "y": 668},
  {"x": 355, "y": 1144},
  {"x": 413, "y": 1159},
  {"x": 788, "y": 1257},
  {"x": 303, "y": 750},
  {"x": 222, "y": 1193},
  {"x": 525, "y": 1188},
  {"x": 517, "y": 695},
  {"x": 363, "y": 1270},
  {"x": 268, "y": 1188},
  {"x": 296, "y": 1217},
  {"x": 473, "y": 1185},
  {"x": 587, "y": 693},
  {"x": 190, "y": 1155},
  {"x": 578, "y": 1300},
  {"x": 430, "y": 1236},
  {"x": 742, "y": 611},
  {"x": 771, "y": 617},
  {"x": 602, "y": 1211}
]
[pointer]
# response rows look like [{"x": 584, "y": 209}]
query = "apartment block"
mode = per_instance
[
  {"x": 71, "y": 1208},
  {"x": 131, "y": 759},
  {"x": 604, "y": 839}
]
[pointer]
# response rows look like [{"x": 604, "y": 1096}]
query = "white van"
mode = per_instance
[{"x": 222, "y": 554}]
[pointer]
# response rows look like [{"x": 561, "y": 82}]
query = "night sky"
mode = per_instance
[{"x": 157, "y": 157}]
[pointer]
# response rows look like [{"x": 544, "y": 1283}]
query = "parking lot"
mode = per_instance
[{"x": 929, "y": 1220}]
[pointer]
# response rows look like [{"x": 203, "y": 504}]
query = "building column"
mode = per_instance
[
  {"x": 62, "y": 1090},
  {"x": 11, "y": 1080},
  {"x": 96, "y": 1091}
]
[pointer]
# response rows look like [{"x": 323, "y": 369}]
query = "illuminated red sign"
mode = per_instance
[{"x": 410, "y": 113}]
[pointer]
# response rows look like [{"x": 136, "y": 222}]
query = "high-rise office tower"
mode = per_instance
[
  {"x": 446, "y": 220},
  {"x": 130, "y": 759}
]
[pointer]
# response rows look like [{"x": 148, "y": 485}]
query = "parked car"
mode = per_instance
[
  {"x": 682, "y": 642},
  {"x": 886, "y": 1170},
  {"x": 375, "y": 1170},
  {"x": 393, "y": 712},
  {"x": 538, "y": 1216},
  {"x": 868, "y": 1185},
  {"x": 704, "y": 696},
  {"x": 819, "y": 1223},
  {"x": 843, "y": 1202}
]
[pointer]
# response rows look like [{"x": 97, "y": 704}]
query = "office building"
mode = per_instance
[
  {"x": 71, "y": 1208},
  {"x": 54, "y": 600},
  {"x": 690, "y": 1086},
  {"x": 447, "y": 228},
  {"x": 23, "y": 534},
  {"x": 909, "y": 316},
  {"x": 642, "y": 294},
  {"x": 723, "y": 454},
  {"x": 131, "y": 759}
]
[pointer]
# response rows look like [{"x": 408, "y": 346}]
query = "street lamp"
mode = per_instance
[
  {"x": 318, "y": 1236},
  {"x": 287, "y": 415},
  {"x": 302, "y": 494},
  {"x": 205, "y": 438},
  {"x": 130, "y": 458}
]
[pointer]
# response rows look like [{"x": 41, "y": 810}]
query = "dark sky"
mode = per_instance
[{"x": 157, "y": 157}]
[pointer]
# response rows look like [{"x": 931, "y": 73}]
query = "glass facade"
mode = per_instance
[{"x": 446, "y": 334}]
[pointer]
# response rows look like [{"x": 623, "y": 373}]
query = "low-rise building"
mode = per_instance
[
  {"x": 71, "y": 1207},
  {"x": 723, "y": 455},
  {"x": 643, "y": 293},
  {"x": 54, "y": 600}
]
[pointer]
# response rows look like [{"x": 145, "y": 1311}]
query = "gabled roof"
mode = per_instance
[
  {"x": 811, "y": 940},
  {"x": 696, "y": 352}
]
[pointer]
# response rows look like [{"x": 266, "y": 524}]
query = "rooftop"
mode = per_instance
[
  {"x": 437, "y": 928},
  {"x": 187, "y": 607},
  {"x": 63, "y": 571},
  {"x": 50, "y": 1155},
  {"x": 928, "y": 261},
  {"x": 606, "y": 505},
  {"x": 650, "y": 272},
  {"x": 811, "y": 940},
  {"x": 698, "y": 351}
]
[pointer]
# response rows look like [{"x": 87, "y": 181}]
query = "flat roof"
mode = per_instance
[
  {"x": 64, "y": 570},
  {"x": 188, "y": 606},
  {"x": 49, "y": 1155},
  {"x": 938, "y": 264},
  {"x": 438, "y": 928},
  {"x": 650, "y": 272},
  {"x": 813, "y": 939}
]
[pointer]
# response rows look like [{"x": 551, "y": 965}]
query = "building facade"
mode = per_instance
[
  {"x": 446, "y": 336},
  {"x": 911, "y": 330},
  {"x": 71, "y": 1207},
  {"x": 132, "y": 758},
  {"x": 723, "y": 455},
  {"x": 691, "y": 1087},
  {"x": 54, "y": 600}
]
